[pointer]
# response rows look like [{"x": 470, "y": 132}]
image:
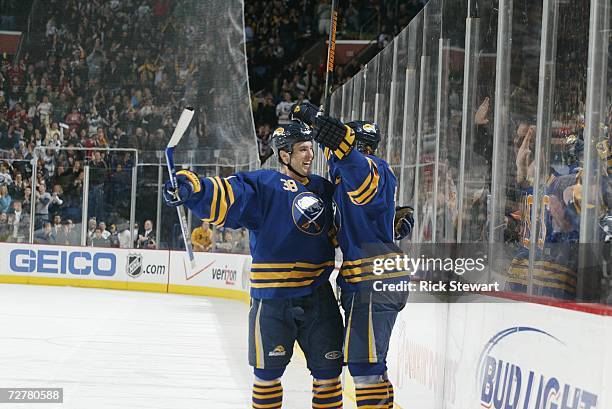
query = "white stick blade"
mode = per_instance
[{"x": 181, "y": 127}]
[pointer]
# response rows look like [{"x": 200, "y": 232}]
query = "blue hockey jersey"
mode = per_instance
[
  {"x": 555, "y": 266},
  {"x": 289, "y": 225},
  {"x": 365, "y": 208}
]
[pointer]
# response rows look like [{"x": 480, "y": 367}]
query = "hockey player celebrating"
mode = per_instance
[
  {"x": 289, "y": 216},
  {"x": 364, "y": 196}
]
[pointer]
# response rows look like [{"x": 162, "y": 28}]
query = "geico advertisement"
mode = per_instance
[
  {"x": 84, "y": 263},
  {"x": 528, "y": 356},
  {"x": 212, "y": 270}
]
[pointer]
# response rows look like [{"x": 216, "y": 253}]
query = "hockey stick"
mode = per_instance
[
  {"x": 331, "y": 51},
  {"x": 179, "y": 131}
]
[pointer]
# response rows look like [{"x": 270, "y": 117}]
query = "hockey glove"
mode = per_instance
[
  {"x": 330, "y": 132},
  {"x": 305, "y": 112},
  {"x": 187, "y": 184},
  {"x": 404, "y": 222}
]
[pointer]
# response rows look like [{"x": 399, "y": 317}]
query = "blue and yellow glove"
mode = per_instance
[
  {"x": 187, "y": 184},
  {"x": 404, "y": 222}
]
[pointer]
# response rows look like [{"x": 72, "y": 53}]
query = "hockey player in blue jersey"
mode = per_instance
[
  {"x": 289, "y": 217},
  {"x": 365, "y": 199}
]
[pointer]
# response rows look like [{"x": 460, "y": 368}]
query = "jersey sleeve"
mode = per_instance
[
  {"x": 361, "y": 176},
  {"x": 227, "y": 202}
]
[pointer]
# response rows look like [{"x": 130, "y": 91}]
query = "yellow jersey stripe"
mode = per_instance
[
  {"x": 369, "y": 259},
  {"x": 230, "y": 191},
  {"x": 292, "y": 265},
  {"x": 372, "y": 356},
  {"x": 285, "y": 284},
  {"x": 282, "y": 275},
  {"x": 213, "y": 204},
  {"x": 259, "y": 362},
  {"x": 376, "y": 277},
  {"x": 367, "y": 196},
  {"x": 365, "y": 183},
  {"x": 347, "y": 337},
  {"x": 222, "y": 203}
]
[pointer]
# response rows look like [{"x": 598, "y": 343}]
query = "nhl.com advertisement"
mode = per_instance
[{"x": 78, "y": 263}]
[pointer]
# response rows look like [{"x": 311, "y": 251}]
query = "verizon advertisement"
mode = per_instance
[{"x": 213, "y": 270}]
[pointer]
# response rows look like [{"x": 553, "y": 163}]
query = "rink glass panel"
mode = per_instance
[
  {"x": 347, "y": 100},
  {"x": 406, "y": 102},
  {"x": 448, "y": 117},
  {"x": 382, "y": 102},
  {"x": 358, "y": 93},
  {"x": 370, "y": 88},
  {"x": 477, "y": 123},
  {"x": 425, "y": 201}
]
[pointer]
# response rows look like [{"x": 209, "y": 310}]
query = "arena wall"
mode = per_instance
[{"x": 498, "y": 354}]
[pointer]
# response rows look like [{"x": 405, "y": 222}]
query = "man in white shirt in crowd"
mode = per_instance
[
  {"x": 283, "y": 110},
  {"x": 105, "y": 233},
  {"x": 18, "y": 222}
]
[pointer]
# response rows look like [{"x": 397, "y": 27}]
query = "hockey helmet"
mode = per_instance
[
  {"x": 367, "y": 134},
  {"x": 287, "y": 135}
]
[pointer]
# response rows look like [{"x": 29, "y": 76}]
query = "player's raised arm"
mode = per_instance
[
  {"x": 230, "y": 202},
  {"x": 349, "y": 150}
]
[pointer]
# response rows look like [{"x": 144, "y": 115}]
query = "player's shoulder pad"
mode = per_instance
[
  {"x": 382, "y": 165},
  {"x": 321, "y": 184}
]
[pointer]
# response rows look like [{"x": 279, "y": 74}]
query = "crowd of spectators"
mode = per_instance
[
  {"x": 278, "y": 33},
  {"x": 219, "y": 240},
  {"x": 106, "y": 74}
]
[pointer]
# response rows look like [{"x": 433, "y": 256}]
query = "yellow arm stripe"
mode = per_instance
[
  {"x": 230, "y": 191},
  {"x": 222, "y": 203},
  {"x": 327, "y": 153},
  {"x": 213, "y": 204},
  {"x": 365, "y": 183},
  {"x": 369, "y": 194},
  {"x": 366, "y": 192},
  {"x": 220, "y": 219}
]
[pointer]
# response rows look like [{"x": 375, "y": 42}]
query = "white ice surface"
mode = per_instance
[{"x": 120, "y": 349}]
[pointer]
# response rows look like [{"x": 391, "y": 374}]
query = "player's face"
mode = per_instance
[{"x": 301, "y": 159}]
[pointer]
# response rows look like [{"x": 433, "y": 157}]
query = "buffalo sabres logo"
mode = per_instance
[
  {"x": 369, "y": 128},
  {"x": 134, "y": 265},
  {"x": 308, "y": 213},
  {"x": 279, "y": 131}
]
